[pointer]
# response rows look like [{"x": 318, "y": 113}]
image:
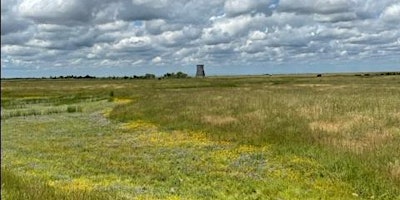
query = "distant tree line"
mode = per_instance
[
  {"x": 379, "y": 74},
  {"x": 71, "y": 77},
  {"x": 177, "y": 75}
]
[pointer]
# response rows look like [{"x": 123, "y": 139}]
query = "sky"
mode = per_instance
[{"x": 41, "y": 38}]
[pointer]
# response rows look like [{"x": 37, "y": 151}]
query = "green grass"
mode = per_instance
[
  {"x": 20, "y": 187},
  {"x": 286, "y": 137}
]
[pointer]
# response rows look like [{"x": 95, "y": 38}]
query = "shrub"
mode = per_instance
[
  {"x": 72, "y": 109},
  {"x": 177, "y": 75}
]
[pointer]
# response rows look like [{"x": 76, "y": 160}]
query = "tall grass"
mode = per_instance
[
  {"x": 350, "y": 125},
  {"x": 265, "y": 137}
]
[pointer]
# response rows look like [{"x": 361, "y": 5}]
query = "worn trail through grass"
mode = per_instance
[{"x": 75, "y": 153}]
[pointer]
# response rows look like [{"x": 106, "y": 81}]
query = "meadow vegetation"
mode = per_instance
[{"x": 265, "y": 137}]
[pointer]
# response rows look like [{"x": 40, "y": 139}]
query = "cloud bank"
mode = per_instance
[{"x": 102, "y": 37}]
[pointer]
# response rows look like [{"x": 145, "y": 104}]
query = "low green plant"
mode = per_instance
[{"x": 72, "y": 109}]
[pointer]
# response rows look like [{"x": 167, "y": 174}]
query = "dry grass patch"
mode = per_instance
[
  {"x": 312, "y": 112},
  {"x": 217, "y": 120},
  {"x": 313, "y": 85},
  {"x": 330, "y": 127},
  {"x": 396, "y": 115},
  {"x": 340, "y": 133},
  {"x": 394, "y": 170},
  {"x": 345, "y": 124},
  {"x": 321, "y": 87},
  {"x": 369, "y": 142},
  {"x": 255, "y": 115},
  {"x": 122, "y": 100}
]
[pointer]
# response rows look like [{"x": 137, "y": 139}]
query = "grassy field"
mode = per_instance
[{"x": 266, "y": 137}]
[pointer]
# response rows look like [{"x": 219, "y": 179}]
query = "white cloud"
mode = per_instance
[
  {"x": 56, "y": 11},
  {"x": 227, "y": 29},
  {"x": 257, "y": 35},
  {"x": 238, "y": 7},
  {"x": 15, "y": 50},
  {"x": 113, "y": 26},
  {"x": 133, "y": 43},
  {"x": 134, "y": 33},
  {"x": 157, "y": 59},
  {"x": 392, "y": 14}
]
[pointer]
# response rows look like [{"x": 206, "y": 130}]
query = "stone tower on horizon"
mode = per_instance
[{"x": 200, "y": 71}]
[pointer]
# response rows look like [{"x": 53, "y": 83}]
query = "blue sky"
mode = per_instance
[{"x": 231, "y": 37}]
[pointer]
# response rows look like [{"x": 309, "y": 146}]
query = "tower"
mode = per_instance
[{"x": 200, "y": 71}]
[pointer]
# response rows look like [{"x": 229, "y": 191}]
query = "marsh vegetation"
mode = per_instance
[{"x": 266, "y": 137}]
